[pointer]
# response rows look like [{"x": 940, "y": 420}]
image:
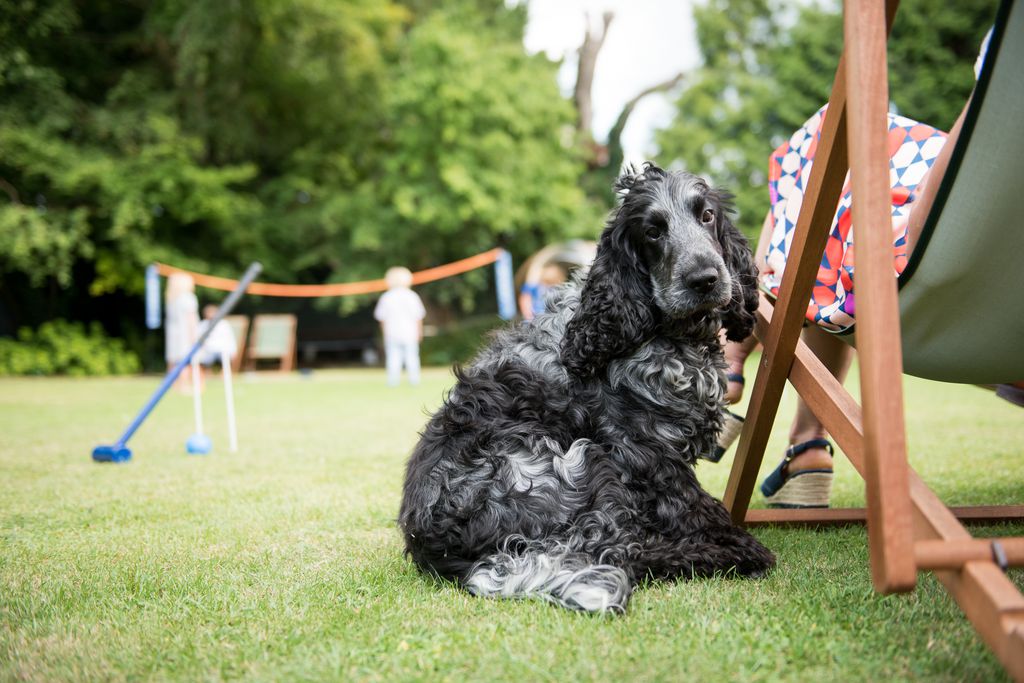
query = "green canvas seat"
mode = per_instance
[{"x": 961, "y": 297}]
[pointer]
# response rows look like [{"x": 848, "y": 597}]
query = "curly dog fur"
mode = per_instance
[{"x": 561, "y": 464}]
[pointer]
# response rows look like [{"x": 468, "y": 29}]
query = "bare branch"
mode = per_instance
[
  {"x": 592, "y": 43},
  {"x": 627, "y": 109},
  {"x": 615, "y": 154}
]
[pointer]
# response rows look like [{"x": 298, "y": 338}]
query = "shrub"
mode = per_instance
[
  {"x": 66, "y": 348},
  {"x": 458, "y": 344}
]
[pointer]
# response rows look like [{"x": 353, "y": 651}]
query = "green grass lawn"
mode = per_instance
[{"x": 283, "y": 562}]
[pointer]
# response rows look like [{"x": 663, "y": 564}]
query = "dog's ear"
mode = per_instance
[
  {"x": 738, "y": 316},
  {"x": 615, "y": 313}
]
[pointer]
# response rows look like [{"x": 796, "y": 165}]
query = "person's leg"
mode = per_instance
[
  {"x": 412, "y": 362},
  {"x": 736, "y": 352},
  {"x": 179, "y": 383},
  {"x": 836, "y": 356},
  {"x": 735, "y": 356},
  {"x": 804, "y": 478},
  {"x": 393, "y": 362},
  {"x": 183, "y": 383}
]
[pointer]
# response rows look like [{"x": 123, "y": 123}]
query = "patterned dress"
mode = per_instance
[{"x": 913, "y": 147}]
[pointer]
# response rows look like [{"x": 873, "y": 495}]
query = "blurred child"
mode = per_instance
[
  {"x": 400, "y": 312},
  {"x": 220, "y": 343},
  {"x": 182, "y": 324},
  {"x": 531, "y": 297}
]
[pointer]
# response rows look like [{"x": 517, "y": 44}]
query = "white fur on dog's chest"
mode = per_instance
[{"x": 668, "y": 376}]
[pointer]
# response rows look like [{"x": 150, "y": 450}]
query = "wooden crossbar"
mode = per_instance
[
  {"x": 955, "y": 554},
  {"x": 827, "y": 517}
]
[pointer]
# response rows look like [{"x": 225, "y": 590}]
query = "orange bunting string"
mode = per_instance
[{"x": 338, "y": 289}]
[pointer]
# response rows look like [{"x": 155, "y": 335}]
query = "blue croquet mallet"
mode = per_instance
[{"x": 119, "y": 452}]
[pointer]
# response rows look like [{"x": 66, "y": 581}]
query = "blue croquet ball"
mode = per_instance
[{"x": 198, "y": 444}]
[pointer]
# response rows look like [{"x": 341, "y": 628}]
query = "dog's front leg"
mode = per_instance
[{"x": 708, "y": 544}]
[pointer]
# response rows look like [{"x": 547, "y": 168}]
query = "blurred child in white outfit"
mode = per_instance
[
  {"x": 221, "y": 341},
  {"x": 182, "y": 325},
  {"x": 400, "y": 313}
]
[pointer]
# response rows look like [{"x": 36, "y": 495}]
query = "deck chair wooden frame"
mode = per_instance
[
  {"x": 909, "y": 528},
  {"x": 254, "y": 353}
]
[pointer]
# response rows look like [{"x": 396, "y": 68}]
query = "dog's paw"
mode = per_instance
[{"x": 758, "y": 566}]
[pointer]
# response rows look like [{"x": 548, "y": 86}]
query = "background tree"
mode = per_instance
[
  {"x": 96, "y": 168},
  {"x": 604, "y": 161},
  {"x": 328, "y": 140},
  {"x": 473, "y": 151}
]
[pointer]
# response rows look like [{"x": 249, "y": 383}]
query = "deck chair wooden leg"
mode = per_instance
[
  {"x": 824, "y": 188},
  {"x": 881, "y": 372},
  {"x": 780, "y": 338},
  {"x": 881, "y": 365},
  {"x": 987, "y": 597}
]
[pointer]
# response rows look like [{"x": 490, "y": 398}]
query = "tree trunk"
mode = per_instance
[
  {"x": 599, "y": 156},
  {"x": 588, "y": 52}
]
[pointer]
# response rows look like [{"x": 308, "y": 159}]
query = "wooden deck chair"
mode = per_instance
[
  {"x": 240, "y": 328},
  {"x": 273, "y": 336},
  {"x": 959, "y": 309}
]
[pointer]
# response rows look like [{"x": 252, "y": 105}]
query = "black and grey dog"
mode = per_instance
[{"x": 561, "y": 464}]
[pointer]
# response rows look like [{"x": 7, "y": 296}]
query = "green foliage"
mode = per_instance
[
  {"x": 931, "y": 56},
  {"x": 467, "y": 150},
  {"x": 43, "y": 246},
  {"x": 93, "y": 159},
  {"x": 458, "y": 343},
  {"x": 328, "y": 140},
  {"x": 725, "y": 117},
  {"x": 66, "y": 348},
  {"x": 473, "y": 152},
  {"x": 769, "y": 65}
]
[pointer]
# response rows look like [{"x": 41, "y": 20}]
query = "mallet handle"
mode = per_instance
[
  {"x": 229, "y": 303},
  {"x": 229, "y": 398}
]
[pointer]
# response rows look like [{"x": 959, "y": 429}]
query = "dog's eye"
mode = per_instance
[
  {"x": 654, "y": 233},
  {"x": 707, "y": 217}
]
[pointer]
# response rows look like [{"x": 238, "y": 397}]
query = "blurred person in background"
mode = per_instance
[
  {"x": 531, "y": 297},
  {"x": 400, "y": 313},
  {"x": 221, "y": 345},
  {"x": 181, "y": 328}
]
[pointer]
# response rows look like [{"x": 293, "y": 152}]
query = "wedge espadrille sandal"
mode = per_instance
[
  {"x": 804, "y": 489},
  {"x": 731, "y": 428}
]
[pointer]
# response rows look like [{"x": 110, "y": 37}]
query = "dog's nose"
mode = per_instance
[{"x": 703, "y": 281}]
